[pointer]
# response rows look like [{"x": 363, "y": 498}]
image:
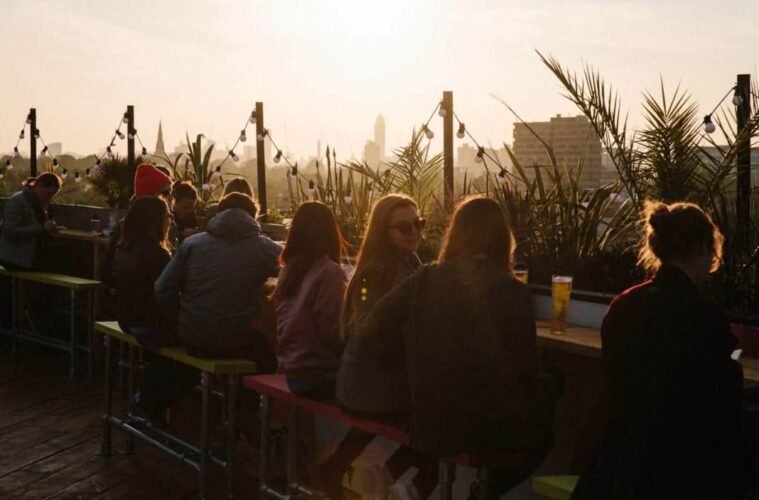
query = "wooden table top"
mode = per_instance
[
  {"x": 82, "y": 235},
  {"x": 587, "y": 342}
]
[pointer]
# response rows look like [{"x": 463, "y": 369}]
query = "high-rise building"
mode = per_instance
[
  {"x": 372, "y": 154},
  {"x": 379, "y": 136},
  {"x": 573, "y": 140},
  {"x": 159, "y": 147}
]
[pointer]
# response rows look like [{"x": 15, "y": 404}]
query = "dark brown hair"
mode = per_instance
[
  {"x": 479, "y": 227},
  {"x": 46, "y": 179},
  {"x": 238, "y": 200},
  {"x": 147, "y": 221},
  {"x": 313, "y": 234},
  {"x": 184, "y": 190},
  {"x": 238, "y": 185},
  {"x": 377, "y": 251},
  {"x": 677, "y": 231}
]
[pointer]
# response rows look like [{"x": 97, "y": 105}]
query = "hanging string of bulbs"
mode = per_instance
[
  {"x": 709, "y": 126},
  {"x": 16, "y": 153}
]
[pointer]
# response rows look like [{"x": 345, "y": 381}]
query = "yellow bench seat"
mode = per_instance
[
  {"x": 54, "y": 279},
  {"x": 179, "y": 354},
  {"x": 556, "y": 487}
]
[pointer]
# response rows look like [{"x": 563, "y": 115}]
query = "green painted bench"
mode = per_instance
[
  {"x": 74, "y": 285},
  {"x": 198, "y": 457},
  {"x": 556, "y": 487}
]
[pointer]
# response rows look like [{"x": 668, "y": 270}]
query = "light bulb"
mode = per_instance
[
  {"x": 737, "y": 98},
  {"x": 709, "y": 125},
  {"x": 8, "y": 163},
  {"x": 252, "y": 118},
  {"x": 77, "y": 178},
  {"x": 64, "y": 174},
  {"x": 205, "y": 186},
  {"x": 501, "y": 176},
  {"x": 347, "y": 199},
  {"x": 311, "y": 188},
  {"x": 294, "y": 170},
  {"x": 429, "y": 133},
  {"x": 277, "y": 156},
  {"x": 462, "y": 131},
  {"x": 125, "y": 119},
  {"x": 108, "y": 152},
  {"x": 1, "y": 175},
  {"x": 261, "y": 136},
  {"x": 37, "y": 134},
  {"x": 44, "y": 151},
  {"x": 442, "y": 111},
  {"x": 216, "y": 173},
  {"x": 234, "y": 156},
  {"x": 479, "y": 155},
  {"x": 120, "y": 134},
  {"x": 144, "y": 151},
  {"x": 131, "y": 135},
  {"x": 55, "y": 164},
  {"x": 28, "y": 119},
  {"x": 15, "y": 151},
  {"x": 21, "y": 134},
  {"x": 243, "y": 137},
  {"x": 87, "y": 173}
]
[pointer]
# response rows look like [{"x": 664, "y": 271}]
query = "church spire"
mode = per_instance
[{"x": 160, "y": 151}]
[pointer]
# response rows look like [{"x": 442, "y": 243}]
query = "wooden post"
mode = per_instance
[
  {"x": 447, "y": 105},
  {"x": 743, "y": 177},
  {"x": 130, "y": 136},
  {"x": 33, "y": 142},
  {"x": 261, "y": 160}
]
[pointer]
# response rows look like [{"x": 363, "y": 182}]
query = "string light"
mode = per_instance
[
  {"x": 462, "y": 131},
  {"x": 737, "y": 97},
  {"x": 64, "y": 174},
  {"x": 428, "y": 132},
  {"x": 277, "y": 156},
  {"x": 29, "y": 119},
  {"x": 132, "y": 134},
  {"x": 441, "y": 110},
  {"x": 96, "y": 166},
  {"x": 108, "y": 152},
  {"x": 347, "y": 199},
  {"x": 294, "y": 170},
  {"x": 21, "y": 134},
  {"x": 480, "y": 153},
  {"x": 86, "y": 173},
  {"x": 125, "y": 119},
  {"x": 243, "y": 137},
  {"x": 144, "y": 151},
  {"x": 120, "y": 134},
  {"x": 252, "y": 118},
  {"x": 55, "y": 164},
  {"x": 205, "y": 186},
  {"x": 708, "y": 124},
  {"x": 37, "y": 133},
  {"x": 16, "y": 152},
  {"x": 216, "y": 173},
  {"x": 234, "y": 156},
  {"x": 311, "y": 188},
  {"x": 263, "y": 134},
  {"x": 44, "y": 150},
  {"x": 77, "y": 178},
  {"x": 501, "y": 176}
]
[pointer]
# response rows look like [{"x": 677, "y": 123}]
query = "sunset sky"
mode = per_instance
[{"x": 326, "y": 68}]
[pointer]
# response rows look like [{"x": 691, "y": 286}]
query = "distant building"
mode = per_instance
[
  {"x": 573, "y": 139},
  {"x": 160, "y": 150},
  {"x": 372, "y": 154},
  {"x": 465, "y": 159},
  {"x": 379, "y": 135}
]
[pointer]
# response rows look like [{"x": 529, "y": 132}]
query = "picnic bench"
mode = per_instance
[
  {"x": 75, "y": 286},
  {"x": 197, "y": 457},
  {"x": 275, "y": 387}
]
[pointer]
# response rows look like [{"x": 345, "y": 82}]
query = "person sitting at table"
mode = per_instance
[
  {"x": 467, "y": 331},
  {"x": 370, "y": 383},
  {"x": 672, "y": 392},
  {"x": 212, "y": 285},
  {"x": 185, "y": 200},
  {"x": 26, "y": 223},
  {"x": 308, "y": 300}
]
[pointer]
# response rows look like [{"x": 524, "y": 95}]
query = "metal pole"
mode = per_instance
[
  {"x": 33, "y": 142},
  {"x": 447, "y": 105},
  {"x": 261, "y": 159},
  {"x": 130, "y": 136},
  {"x": 743, "y": 188}
]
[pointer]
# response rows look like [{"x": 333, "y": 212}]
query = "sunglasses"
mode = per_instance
[{"x": 406, "y": 226}]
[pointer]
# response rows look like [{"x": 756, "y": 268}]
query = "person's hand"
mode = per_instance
[{"x": 50, "y": 226}]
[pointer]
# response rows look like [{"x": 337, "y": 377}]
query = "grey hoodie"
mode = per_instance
[{"x": 215, "y": 279}]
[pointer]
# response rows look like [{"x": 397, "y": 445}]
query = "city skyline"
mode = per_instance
[{"x": 203, "y": 71}]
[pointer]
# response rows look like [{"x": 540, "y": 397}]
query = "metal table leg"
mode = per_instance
[
  {"x": 447, "y": 475},
  {"x": 231, "y": 433},
  {"x": 105, "y": 438},
  {"x": 292, "y": 452},
  {"x": 264, "y": 417},
  {"x": 90, "y": 333},
  {"x": 205, "y": 382},
  {"x": 72, "y": 333},
  {"x": 131, "y": 374}
]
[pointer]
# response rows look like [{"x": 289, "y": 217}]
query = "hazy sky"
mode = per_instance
[{"x": 326, "y": 68}]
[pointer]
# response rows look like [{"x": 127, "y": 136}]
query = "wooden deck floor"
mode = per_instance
[{"x": 50, "y": 436}]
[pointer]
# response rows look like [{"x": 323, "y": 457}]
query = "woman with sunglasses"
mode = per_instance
[
  {"x": 367, "y": 384},
  {"x": 467, "y": 331}
]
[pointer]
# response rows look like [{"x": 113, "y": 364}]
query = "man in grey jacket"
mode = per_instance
[{"x": 214, "y": 283}]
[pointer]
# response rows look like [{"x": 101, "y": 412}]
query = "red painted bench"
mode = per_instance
[{"x": 275, "y": 387}]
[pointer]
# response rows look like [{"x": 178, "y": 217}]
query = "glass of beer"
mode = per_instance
[
  {"x": 521, "y": 275},
  {"x": 561, "y": 288}
]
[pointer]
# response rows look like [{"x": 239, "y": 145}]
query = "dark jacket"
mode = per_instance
[
  {"x": 308, "y": 323},
  {"x": 136, "y": 269},
  {"x": 367, "y": 382},
  {"x": 23, "y": 231},
  {"x": 214, "y": 282},
  {"x": 673, "y": 397},
  {"x": 469, "y": 336}
]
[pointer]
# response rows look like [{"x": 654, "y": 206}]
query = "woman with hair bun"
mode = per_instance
[{"x": 673, "y": 393}]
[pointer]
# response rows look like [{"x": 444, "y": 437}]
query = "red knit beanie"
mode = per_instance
[{"x": 149, "y": 181}]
